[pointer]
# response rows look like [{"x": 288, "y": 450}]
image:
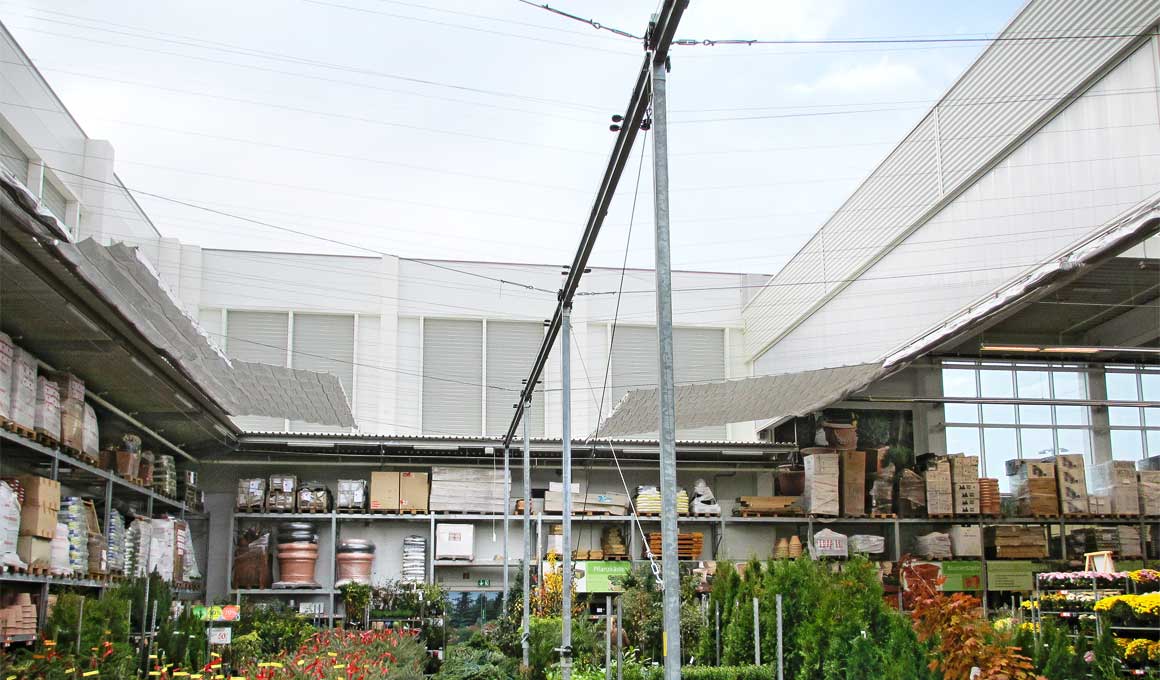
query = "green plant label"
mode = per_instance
[
  {"x": 601, "y": 577},
  {"x": 962, "y": 576},
  {"x": 1010, "y": 575}
]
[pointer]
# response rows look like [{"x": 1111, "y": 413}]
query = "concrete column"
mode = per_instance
[
  {"x": 1101, "y": 434},
  {"x": 95, "y": 196}
]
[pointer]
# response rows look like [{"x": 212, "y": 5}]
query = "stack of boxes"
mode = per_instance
[
  {"x": 71, "y": 391},
  {"x": 73, "y": 516},
  {"x": 853, "y": 479},
  {"x": 1072, "y": 484},
  {"x": 115, "y": 543},
  {"x": 190, "y": 491},
  {"x": 281, "y": 497},
  {"x": 820, "y": 496},
  {"x": 1034, "y": 488},
  {"x": 406, "y": 491},
  {"x": 464, "y": 490},
  {"x": 1115, "y": 480},
  {"x": 965, "y": 478},
  {"x": 38, "y": 520},
  {"x": 165, "y": 475},
  {"x": 17, "y": 615},
  {"x": 880, "y": 474},
  {"x": 1149, "y": 482},
  {"x": 966, "y": 540},
  {"x": 939, "y": 488},
  {"x": 1016, "y": 542}
]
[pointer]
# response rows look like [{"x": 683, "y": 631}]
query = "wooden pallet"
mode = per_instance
[
  {"x": 354, "y": 511},
  {"x": 883, "y": 515},
  {"x": 312, "y": 512},
  {"x": 616, "y": 558},
  {"x": 768, "y": 513},
  {"x": 1106, "y": 515},
  {"x": 45, "y": 439},
  {"x": 1040, "y": 516},
  {"x": 16, "y": 428},
  {"x": 940, "y": 515},
  {"x": 464, "y": 512}
]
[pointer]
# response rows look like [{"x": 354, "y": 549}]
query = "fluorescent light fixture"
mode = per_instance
[
  {"x": 1070, "y": 349},
  {"x": 489, "y": 450},
  {"x": 1008, "y": 348},
  {"x": 310, "y": 445},
  {"x": 139, "y": 364},
  {"x": 743, "y": 454},
  {"x": 435, "y": 447}
]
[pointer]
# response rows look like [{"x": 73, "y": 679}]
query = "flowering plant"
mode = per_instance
[{"x": 1082, "y": 579}]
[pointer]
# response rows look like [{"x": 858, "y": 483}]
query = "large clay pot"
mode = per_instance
[
  {"x": 355, "y": 567},
  {"x": 791, "y": 482},
  {"x": 841, "y": 435},
  {"x": 296, "y": 562}
]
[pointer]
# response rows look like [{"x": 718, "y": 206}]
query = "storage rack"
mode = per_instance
[
  {"x": 892, "y": 529},
  {"x": 14, "y": 446}
]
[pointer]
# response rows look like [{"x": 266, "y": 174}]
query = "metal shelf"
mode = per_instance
[
  {"x": 53, "y": 580},
  {"x": 97, "y": 472},
  {"x": 283, "y": 591}
]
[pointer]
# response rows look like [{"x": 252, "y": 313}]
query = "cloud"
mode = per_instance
[{"x": 883, "y": 75}]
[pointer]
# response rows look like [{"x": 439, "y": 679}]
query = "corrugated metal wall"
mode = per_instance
[
  {"x": 1010, "y": 88},
  {"x": 324, "y": 342},
  {"x": 452, "y": 377},
  {"x": 53, "y": 199},
  {"x": 510, "y": 348},
  {"x": 367, "y": 391},
  {"x": 1091, "y": 162},
  {"x": 260, "y": 337}
]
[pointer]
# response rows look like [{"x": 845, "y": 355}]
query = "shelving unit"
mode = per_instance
[{"x": 19, "y": 451}]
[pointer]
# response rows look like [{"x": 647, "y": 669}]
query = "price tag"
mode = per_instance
[{"x": 220, "y": 635}]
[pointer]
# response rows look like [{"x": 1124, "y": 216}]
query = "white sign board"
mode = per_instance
[{"x": 220, "y": 636}]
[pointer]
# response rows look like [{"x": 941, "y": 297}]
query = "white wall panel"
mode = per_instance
[
  {"x": 324, "y": 343},
  {"x": 1093, "y": 161},
  {"x": 452, "y": 377},
  {"x": 12, "y": 157}
]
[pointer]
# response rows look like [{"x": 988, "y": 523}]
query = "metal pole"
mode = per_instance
[
  {"x": 668, "y": 412},
  {"x": 507, "y": 502},
  {"x": 756, "y": 633},
  {"x": 526, "y": 637},
  {"x": 80, "y": 624},
  {"x": 566, "y": 440},
  {"x": 717, "y": 626},
  {"x": 607, "y": 637},
  {"x": 780, "y": 661},
  {"x": 619, "y": 637}
]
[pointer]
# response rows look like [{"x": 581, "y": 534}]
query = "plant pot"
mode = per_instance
[
  {"x": 296, "y": 562},
  {"x": 354, "y": 566},
  {"x": 811, "y": 450},
  {"x": 841, "y": 435},
  {"x": 297, "y": 537},
  {"x": 356, "y": 545},
  {"x": 128, "y": 464},
  {"x": 791, "y": 482}
]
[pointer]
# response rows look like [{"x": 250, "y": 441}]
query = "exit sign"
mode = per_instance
[{"x": 483, "y": 583}]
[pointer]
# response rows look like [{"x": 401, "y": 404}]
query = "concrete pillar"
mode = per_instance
[{"x": 1101, "y": 434}]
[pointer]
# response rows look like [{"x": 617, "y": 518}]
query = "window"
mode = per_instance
[
  {"x": 1001, "y": 432},
  {"x": 1135, "y": 430},
  {"x": 12, "y": 157},
  {"x": 53, "y": 199}
]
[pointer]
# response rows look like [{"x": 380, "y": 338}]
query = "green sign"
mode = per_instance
[
  {"x": 962, "y": 576},
  {"x": 483, "y": 583},
  {"x": 1010, "y": 575},
  {"x": 601, "y": 577}
]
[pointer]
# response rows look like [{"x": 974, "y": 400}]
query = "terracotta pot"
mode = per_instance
[
  {"x": 296, "y": 562},
  {"x": 355, "y": 566},
  {"x": 841, "y": 435},
  {"x": 791, "y": 482},
  {"x": 128, "y": 464}
]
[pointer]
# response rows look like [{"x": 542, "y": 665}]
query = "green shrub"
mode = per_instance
[
  {"x": 717, "y": 673},
  {"x": 587, "y": 645},
  {"x": 279, "y": 628},
  {"x": 476, "y": 660}
]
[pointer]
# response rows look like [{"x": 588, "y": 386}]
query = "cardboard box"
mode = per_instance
[
  {"x": 1030, "y": 469},
  {"x": 1116, "y": 479},
  {"x": 559, "y": 487},
  {"x": 34, "y": 549},
  {"x": 964, "y": 469},
  {"x": 822, "y": 484},
  {"x": 455, "y": 542},
  {"x": 939, "y": 490},
  {"x": 966, "y": 541},
  {"x": 414, "y": 489},
  {"x": 39, "y": 521},
  {"x": 966, "y": 498},
  {"x": 385, "y": 491},
  {"x": 41, "y": 491},
  {"x": 1149, "y": 492},
  {"x": 853, "y": 478}
]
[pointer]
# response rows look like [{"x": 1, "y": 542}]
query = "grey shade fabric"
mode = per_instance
[{"x": 771, "y": 396}]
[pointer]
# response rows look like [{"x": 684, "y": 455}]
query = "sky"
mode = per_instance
[{"x": 479, "y": 130}]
